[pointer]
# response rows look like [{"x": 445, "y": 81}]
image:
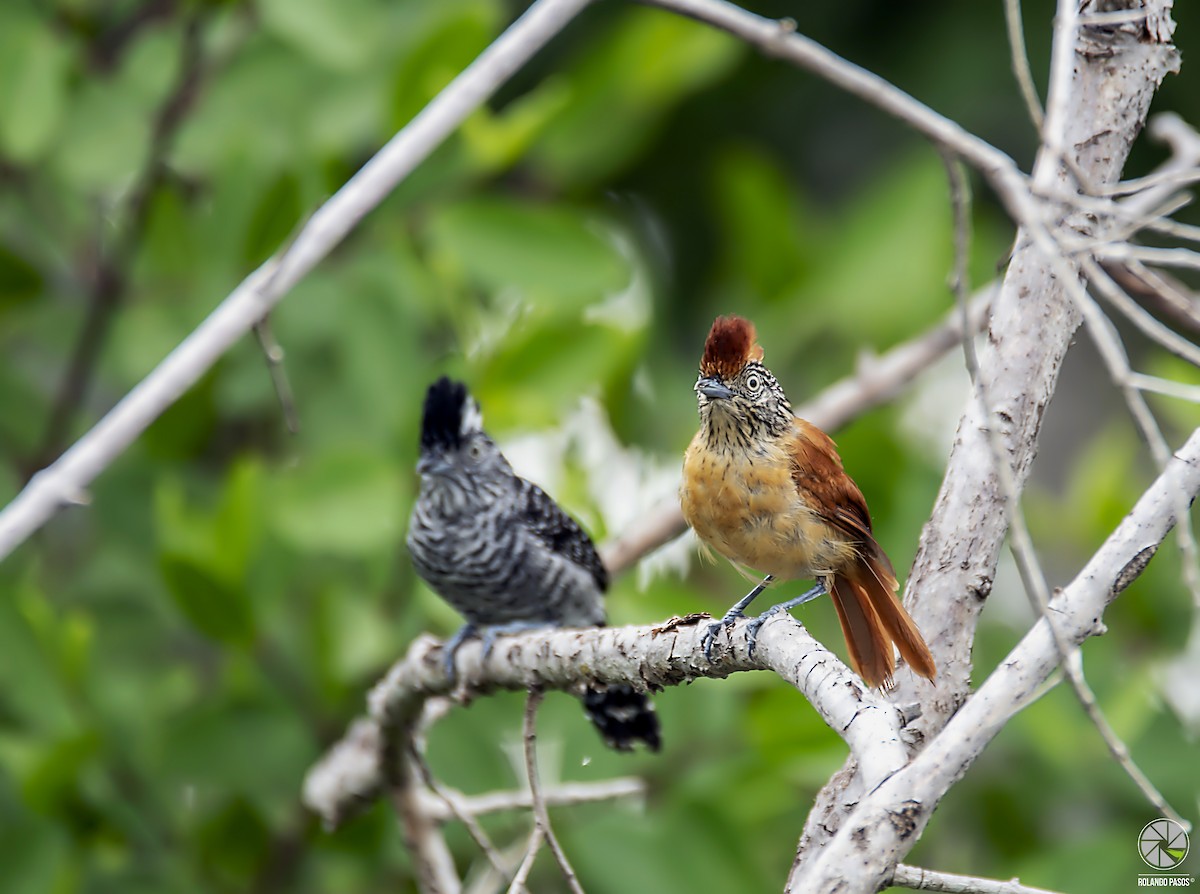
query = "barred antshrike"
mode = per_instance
[
  {"x": 767, "y": 491},
  {"x": 505, "y": 555}
]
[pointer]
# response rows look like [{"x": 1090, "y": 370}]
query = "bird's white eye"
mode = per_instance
[
  {"x": 475, "y": 451},
  {"x": 753, "y": 383}
]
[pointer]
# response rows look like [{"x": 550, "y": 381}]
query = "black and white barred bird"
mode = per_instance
[{"x": 505, "y": 555}]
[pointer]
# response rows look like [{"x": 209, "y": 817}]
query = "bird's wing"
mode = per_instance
[
  {"x": 561, "y": 533},
  {"x": 817, "y": 468}
]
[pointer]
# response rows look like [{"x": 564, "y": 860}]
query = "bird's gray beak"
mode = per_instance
[
  {"x": 713, "y": 390},
  {"x": 433, "y": 464}
]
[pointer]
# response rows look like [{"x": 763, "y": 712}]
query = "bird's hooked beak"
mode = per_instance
[
  {"x": 712, "y": 389},
  {"x": 434, "y": 464}
]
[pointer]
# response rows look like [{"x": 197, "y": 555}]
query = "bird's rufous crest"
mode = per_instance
[{"x": 731, "y": 344}]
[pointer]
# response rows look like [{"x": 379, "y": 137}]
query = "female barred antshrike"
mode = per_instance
[
  {"x": 505, "y": 555},
  {"x": 767, "y": 491}
]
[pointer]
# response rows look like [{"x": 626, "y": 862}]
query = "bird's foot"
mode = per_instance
[
  {"x": 450, "y": 649},
  {"x": 738, "y": 611},
  {"x": 756, "y": 624},
  {"x": 716, "y": 627},
  {"x": 490, "y": 633}
]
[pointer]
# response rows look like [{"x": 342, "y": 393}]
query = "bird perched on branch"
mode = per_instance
[
  {"x": 767, "y": 491},
  {"x": 505, "y": 555}
]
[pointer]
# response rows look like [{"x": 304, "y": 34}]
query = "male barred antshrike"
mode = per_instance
[
  {"x": 767, "y": 491},
  {"x": 505, "y": 555}
]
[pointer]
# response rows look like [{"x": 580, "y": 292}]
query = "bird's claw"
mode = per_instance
[
  {"x": 714, "y": 628},
  {"x": 755, "y": 625}
]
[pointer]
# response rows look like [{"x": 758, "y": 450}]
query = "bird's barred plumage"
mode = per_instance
[{"x": 501, "y": 552}]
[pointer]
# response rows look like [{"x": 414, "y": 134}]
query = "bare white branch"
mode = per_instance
[
  {"x": 65, "y": 481},
  {"x": 949, "y": 883},
  {"x": 666, "y": 655}
]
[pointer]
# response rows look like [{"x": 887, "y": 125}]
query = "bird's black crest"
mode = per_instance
[{"x": 450, "y": 413}]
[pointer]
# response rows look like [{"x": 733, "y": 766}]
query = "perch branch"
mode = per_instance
[{"x": 351, "y": 775}]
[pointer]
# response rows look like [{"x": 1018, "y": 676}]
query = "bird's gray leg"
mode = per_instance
[
  {"x": 490, "y": 633},
  {"x": 450, "y": 649},
  {"x": 753, "y": 627},
  {"x": 732, "y": 615}
]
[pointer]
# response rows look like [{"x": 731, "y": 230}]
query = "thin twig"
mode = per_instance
[
  {"x": 416, "y": 750},
  {"x": 1167, "y": 387},
  {"x": 919, "y": 879},
  {"x": 273, "y": 354},
  {"x": 110, "y": 278},
  {"x": 1150, "y": 327},
  {"x": 1158, "y": 178},
  {"x": 521, "y": 879},
  {"x": 1020, "y": 61},
  {"x": 541, "y": 814},
  {"x": 1112, "y": 351},
  {"x": 1160, "y": 291},
  {"x": 432, "y": 860},
  {"x": 567, "y": 794}
]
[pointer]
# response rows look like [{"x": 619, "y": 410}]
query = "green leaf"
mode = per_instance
[
  {"x": 633, "y": 74},
  {"x": 544, "y": 365},
  {"x": 498, "y": 141},
  {"x": 258, "y": 749},
  {"x": 904, "y": 286},
  {"x": 444, "y": 38},
  {"x": 345, "y": 503},
  {"x": 273, "y": 220},
  {"x": 343, "y": 35},
  {"x": 35, "y": 854},
  {"x": 20, "y": 281},
  {"x": 765, "y": 244},
  {"x": 55, "y": 777},
  {"x": 34, "y": 67},
  {"x": 237, "y": 523},
  {"x": 217, "y": 608},
  {"x": 547, "y": 253}
]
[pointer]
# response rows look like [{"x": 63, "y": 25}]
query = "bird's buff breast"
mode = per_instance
[{"x": 747, "y": 507}]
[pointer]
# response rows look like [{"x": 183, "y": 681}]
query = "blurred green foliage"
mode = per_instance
[{"x": 174, "y": 656}]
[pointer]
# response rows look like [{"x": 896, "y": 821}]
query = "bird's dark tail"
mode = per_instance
[
  {"x": 872, "y": 620},
  {"x": 623, "y": 716}
]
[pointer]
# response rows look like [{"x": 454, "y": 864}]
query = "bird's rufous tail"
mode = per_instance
[{"x": 873, "y": 619}]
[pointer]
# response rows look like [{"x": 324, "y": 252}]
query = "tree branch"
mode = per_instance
[
  {"x": 646, "y": 657},
  {"x": 890, "y": 818},
  {"x": 949, "y": 883},
  {"x": 541, "y": 815},
  {"x": 65, "y": 481}
]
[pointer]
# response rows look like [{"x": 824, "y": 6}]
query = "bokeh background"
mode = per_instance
[{"x": 174, "y": 656}]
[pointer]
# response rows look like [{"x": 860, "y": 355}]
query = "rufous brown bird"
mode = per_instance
[{"x": 767, "y": 491}]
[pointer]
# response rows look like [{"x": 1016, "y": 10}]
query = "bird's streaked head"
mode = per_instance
[{"x": 734, "y": 389}]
